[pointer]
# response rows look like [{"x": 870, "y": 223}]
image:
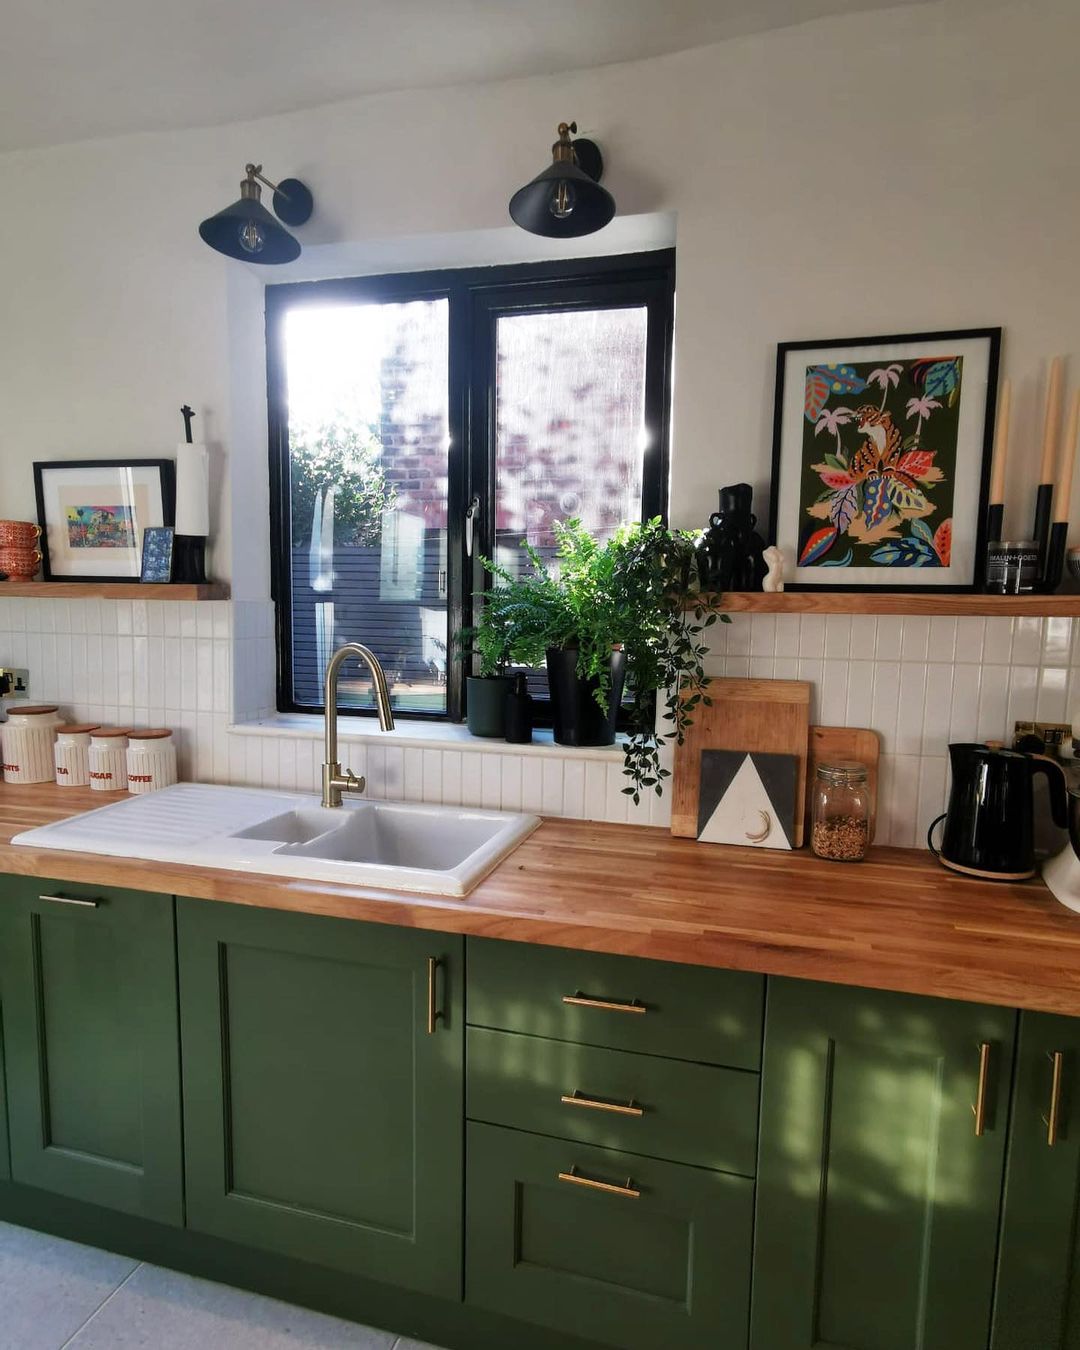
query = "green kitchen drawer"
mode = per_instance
[
  {"x": 625, "y": 1250},
  {"x": 664, "y": 1108},
  {"x": 626, "y": 1003}
]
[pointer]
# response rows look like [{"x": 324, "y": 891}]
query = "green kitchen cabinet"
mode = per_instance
[
  {"x": 879, "y": 1185},
  {"x": 623, "y": 1249},
  {"x": 323, "y": 1090},
  {"x": 88, "y": 989},
  {"x": 1039, "y": 1260},
  {"x": 5, "y": 1157}
]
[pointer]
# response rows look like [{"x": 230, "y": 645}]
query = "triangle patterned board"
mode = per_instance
[
  {"x": 747, "y": 798},
  {"x": 770, "y": 716}
]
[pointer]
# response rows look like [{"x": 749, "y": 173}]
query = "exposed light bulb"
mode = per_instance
[
  {"x": 563, "y": 200},
  {"x": 251, "y": 237}
]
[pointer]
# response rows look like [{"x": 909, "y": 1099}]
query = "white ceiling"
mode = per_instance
[{"x": 79, "y": 70}]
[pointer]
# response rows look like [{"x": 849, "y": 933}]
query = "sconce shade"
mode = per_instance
[
  {"x": 585, "y": 206},
  {"x": 246, "y": 230}
]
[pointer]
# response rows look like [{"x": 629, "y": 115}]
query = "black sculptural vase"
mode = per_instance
[{"x": 730, "y": 554}]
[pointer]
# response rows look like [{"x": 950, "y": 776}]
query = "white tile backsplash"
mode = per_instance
[{"x": 920, "y": 683}]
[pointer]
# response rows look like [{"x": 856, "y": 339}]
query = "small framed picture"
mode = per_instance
[
  {"x": 881, "y": 459},
  {"x": 93, "y": 515},
  {"x": 157, "y": 553}
]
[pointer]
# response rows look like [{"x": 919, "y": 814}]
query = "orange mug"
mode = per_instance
[
  {"x": 19, "y": 564},
  {"x": 20, "y": 534}
]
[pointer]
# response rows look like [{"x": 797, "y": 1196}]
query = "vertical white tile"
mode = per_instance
[
  {"x": 890, "y": 637},
  {"x": 204, "y": 674},
  {"x": 1057, "y": 642},
  {"x": 886, "y": 694},
  {"x": 914, "y": 638},
  {"x": 937, "y": 710},
  {"x": 837, "y": 637},
  {"x": 762, "y": 668},
  {"x": 904, "y": 790},
  {"x": 595, "y": 789},
  {"x": 394, "y": 774},
  {"x": 763, "y": 635},
  {"x": 787, "y": 635},
  {"x": 969, "y": 640},
  {"x": 966, "y": 696},
  {"x": 998, "y": 641},
  {"x": 786, "y": 667},
  {"x": 253, "y": 758},
  {"x": 1051, "y": 703},
  {"x": 735, "y": 668},
  {"x": 833, "y": 693},
  {"x": 286, "y": 760},
  {"x": 204, "y": 621},
  {"x": 552, "y": 798},
  {"x": 738, "y": 635},
  {"x": 574, "y": 788},
  {"x": 222, "y": 692},
  {"x": 412, "y": 785},
  {"x": 941, "y": 645},
  {"x": 811, "y": 636},
  {"x": 931, "y": 799},
  {"x": 860, "y": 694},
  {"x": 617, "y": 800},
  {"x": 375, "y": 770},
  {"x": 532, "y": 784},
  {"x": 237, "y": 758},
  {"x": 1023, "y": 693},
  {"x": 491, "y": 782},
  {"x": 992, "y": 721},
  {"x": 1027, "y": 640},
  {"x": 123, "y": 618},
  {"x": 471, "y": 779},
  {"x": 432, "y": 776},
  {"x": 155, "y": 619},
  {"x": 189, "y": 619},
  {"x": 270, "y": 761},
  {"x": 511, "y": 781},
  {"x": 451, "y": 777},
  {"x": 863, "y": 637},
  {"x": 909, "y": 709},
  {"x": 219, "y": 723}
]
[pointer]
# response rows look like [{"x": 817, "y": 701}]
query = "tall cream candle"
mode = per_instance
[
  {"x": 1067, "y": 462},
  {"x": 1052, "y": 422},
  {"x": 1001, "y": 446}
]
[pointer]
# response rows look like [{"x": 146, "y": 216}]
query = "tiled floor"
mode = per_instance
[{"x": 57, "y": 1295}]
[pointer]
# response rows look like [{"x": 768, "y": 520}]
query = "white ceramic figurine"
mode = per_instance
[{"x": 774, "y": 578}]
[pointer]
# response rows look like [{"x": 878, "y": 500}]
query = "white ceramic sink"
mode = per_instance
[{"x": 402, "y": 846}]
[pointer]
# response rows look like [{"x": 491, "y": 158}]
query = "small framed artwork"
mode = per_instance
[
  {"x": 748, "y": 798},
  {"x": 881, "y": 459},
  {"x": 94, "y": 513},
  {"x": 157, "y": 553}
]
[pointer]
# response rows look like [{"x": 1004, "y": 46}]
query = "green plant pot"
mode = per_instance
[{"x": 485, "y": 704}]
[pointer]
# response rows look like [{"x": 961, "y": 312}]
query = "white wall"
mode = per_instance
[{"x": 898, "y": 170}]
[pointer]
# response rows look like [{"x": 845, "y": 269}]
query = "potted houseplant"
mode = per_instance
[
  {"x": 622, "y": 614},
  {"x": 486, "y": 691}
]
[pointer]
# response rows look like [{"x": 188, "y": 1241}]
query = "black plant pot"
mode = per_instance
[
  {"x": 485, "y": 702},
  {"x": 577, "y": 717}
]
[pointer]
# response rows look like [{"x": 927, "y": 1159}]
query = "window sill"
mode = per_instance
[{"x": 425, "y": 735}]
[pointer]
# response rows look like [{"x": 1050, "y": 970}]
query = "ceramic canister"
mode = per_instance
[
  {"x": 151, "y": 760},
  {"x": 27, "y": 739},
  {"x": 108, "y": 759},
  {"x": 72, "y": 755}
]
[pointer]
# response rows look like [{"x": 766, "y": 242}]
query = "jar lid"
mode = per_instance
[
  {"x": 77, "y": 729},
  {"x": 16, "y": 710},
  {"x": 153, "y": 734},
  {"x": 1025, "y": 544},
  {"x": 842, "y": 772},
  {"x": 109, "y": 732}
]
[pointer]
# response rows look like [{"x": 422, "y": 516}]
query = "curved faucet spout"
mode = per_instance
[{"x": 334, "y": 780}]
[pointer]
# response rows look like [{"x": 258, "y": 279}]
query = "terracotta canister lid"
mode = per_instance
[
  {"x": 153, "y": 734},
  {"x": 16, "y": 710},
  {"x": 77, "y": 729},
  {"x": 108, "y": 732}
]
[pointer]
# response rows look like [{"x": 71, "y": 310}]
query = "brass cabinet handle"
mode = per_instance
[
  {"x": 69, "y": 900},
  {"x": 628, "y": 1189},
  {"x": 434, "y": 1013},
  {"x": 575, "y": 1098},
  {"x": 1052, "y": 1120},
  {"x": 979, "y": 1109},
  {"x": 581, "y": 1000}
]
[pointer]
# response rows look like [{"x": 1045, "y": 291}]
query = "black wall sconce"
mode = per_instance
[
  {"x": 246, "y": 229},
  {"x": 566, "y": 200}
]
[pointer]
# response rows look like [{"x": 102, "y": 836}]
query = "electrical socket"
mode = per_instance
[{"x": 14, "y": 682}]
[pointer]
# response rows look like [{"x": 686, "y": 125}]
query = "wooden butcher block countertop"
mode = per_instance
[{"x": 896, "y": 921}]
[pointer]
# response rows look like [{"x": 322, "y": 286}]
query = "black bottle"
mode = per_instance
[{"x": 519, "y": 713}]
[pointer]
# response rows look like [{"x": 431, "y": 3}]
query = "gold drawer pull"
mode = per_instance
[
  {"x": 69, "y": 900},
  {"x": 1052, "y": 1121},
  {"x": 979, "y": 1109},
  {"x": 628, "y": 1190},
  {"x": 580, "y": 1000},
  {"x": 575, "y": 1098}
]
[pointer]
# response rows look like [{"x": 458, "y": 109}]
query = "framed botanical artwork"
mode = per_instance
[
  {"x": 157, "y": 553},
  {"x": 881, "y": 459},
  {"x": 93, "y": 514}
]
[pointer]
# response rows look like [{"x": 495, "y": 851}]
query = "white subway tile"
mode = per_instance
[
  {"x": 890, "y": 637},
  {"x": 451, "y": 777},
  {"x": 904, "y": 787},
  {"x": 941, "y": 645},
  {"x": 860, "y": 694},
  {"x": 738, "y": 635},
  {"x": 1057, "y": 642},
  {"x": 763, "y": 635},
  {"x": 491, "y": 782},
  {"x": 998, "y": 641},
  {"x": 432, "y": 776},
  {"x": 595, "y": 789},
  {"x": 552, "y": 792},
  {"x": 931, "y": 800},
  {"x": 837, "y": 636},
  {"x": 787, "y": 635},
  {"x": 886, "y": 695},
  {"x": 472, "y": 778},
  {"x": 1051, "y": 702},
  {"x": 412, "y": 782},
  {"x": 910, "y": 708},
  {"x": 511, "y": 781},
  {"x": 914, "y": 638},
  {"x": 966, "y": 695},
  {"x": 863, "y": 637},
  {"x": 811, "y": 636},
  {"x": 532, "y": 785},
  {"x": 833, "y": 693},
  {"x": 574, "y": 788},
  {"x": 993, "y": 704},
  {"x": 617, "y": 801},
  {"x": 1023, "y": 694},
  {"x": 969, "y": 640},
  {"x": 937, "y": 710},
  {"x": 1027, "y": 641},
  {"x": 394, "y": 774},
  {"x": 762, "y": 668}
]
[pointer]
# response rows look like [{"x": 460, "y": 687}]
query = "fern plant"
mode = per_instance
[{"x": 636, "y": 592}]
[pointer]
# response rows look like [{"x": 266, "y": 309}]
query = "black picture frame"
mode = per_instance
[
  {"x": 166, "y": 474},
  {"x": 992, "y": 337},
  {"x": 157, "y": 554}
]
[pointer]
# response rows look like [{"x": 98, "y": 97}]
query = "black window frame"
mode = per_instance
[{"x": 477, "y": 298}]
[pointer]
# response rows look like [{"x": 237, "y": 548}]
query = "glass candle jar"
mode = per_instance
[{"x": 840, "y": 818}]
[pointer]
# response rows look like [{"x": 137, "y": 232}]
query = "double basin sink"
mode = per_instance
[{"x": 401, "y": 846}]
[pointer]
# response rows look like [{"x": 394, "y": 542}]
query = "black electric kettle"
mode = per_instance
[{"x": 990, "y": 824}]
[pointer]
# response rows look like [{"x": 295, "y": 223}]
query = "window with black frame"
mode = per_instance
[{"x": 534, "y": 393}]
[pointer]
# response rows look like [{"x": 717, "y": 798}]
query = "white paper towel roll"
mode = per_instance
[{"x": 192, "y": 489}]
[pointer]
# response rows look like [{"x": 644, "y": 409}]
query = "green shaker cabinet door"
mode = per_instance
[
  {"x": 611, "y": 1246},
  {"x": 878, "y": 1204},
  {"x": 5, "y": 1157},
  {"x": 88, "y": 979},
  {"x": 322, "y": 1119},
  {"x": 1039, "y": 1264}
]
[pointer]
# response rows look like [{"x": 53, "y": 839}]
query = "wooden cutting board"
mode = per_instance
[
  {"x": 771, "y": 716},
  {"x": 831, "y": 743}
]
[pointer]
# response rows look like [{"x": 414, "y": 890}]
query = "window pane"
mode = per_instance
[
  {"x": 570, "y": 434},
  {"x": 368, "y": 443}
]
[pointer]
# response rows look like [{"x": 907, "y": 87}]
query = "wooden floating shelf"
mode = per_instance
[
  {"x": 113, "y": 590},
  {"x": 864, "y": 602}
]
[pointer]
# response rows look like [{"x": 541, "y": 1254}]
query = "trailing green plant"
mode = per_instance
[{"x": 638, "y": 592}]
